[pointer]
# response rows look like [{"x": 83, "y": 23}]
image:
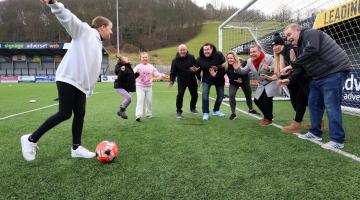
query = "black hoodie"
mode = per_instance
[
  {"x": 126, "y": 79},
  {"x": 180, "y": 68},
  {"x": 216, "y": 59}
]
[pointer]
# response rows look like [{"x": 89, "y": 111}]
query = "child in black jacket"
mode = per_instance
[{"x": 124, "y": 84}]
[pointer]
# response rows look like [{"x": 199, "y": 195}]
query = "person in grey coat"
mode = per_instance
[
  {"x": 327, "y": 65},
  {"x": 260, "y": 65}
]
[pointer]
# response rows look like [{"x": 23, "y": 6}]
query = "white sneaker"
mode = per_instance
[
  {"x": 28, "y": 148},
  {"x": 206, "y": 117},
  {"x": 218, "y": 113},
  {"x": 309, "y": 136},
  {"x": 81, "y": 152},
  {"x": 332, "y": 146}
]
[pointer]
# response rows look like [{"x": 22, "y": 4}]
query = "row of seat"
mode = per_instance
[
  {"x": 32, "y": 71},
  {"x": 29, "y": 65}
]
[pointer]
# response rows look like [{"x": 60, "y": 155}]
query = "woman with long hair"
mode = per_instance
[
  {"x": 284, "y": 54},
  {"x": 236, "y": 81}
]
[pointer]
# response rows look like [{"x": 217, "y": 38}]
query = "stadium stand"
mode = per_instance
[{"x": 31, "y": 58}]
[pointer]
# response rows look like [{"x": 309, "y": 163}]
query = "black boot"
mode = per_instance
[{"x": 122, "y": 113}]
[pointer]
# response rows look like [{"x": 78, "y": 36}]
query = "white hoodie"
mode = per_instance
[{"x": 81, "y": 64}]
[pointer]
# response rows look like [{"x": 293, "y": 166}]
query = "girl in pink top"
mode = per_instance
[{"x": 144, "y": 85}]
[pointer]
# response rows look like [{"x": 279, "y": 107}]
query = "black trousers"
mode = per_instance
[
  {"x": 265, "y": 104},
  {"x": 71, "y": 100},
  {"x": 299, "y": 100},
  {"x": 232, "y": 94},
  {"x": 192, "y": 86}
]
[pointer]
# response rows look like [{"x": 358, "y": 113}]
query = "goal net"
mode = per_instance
[{"x": 257, "y": 20}]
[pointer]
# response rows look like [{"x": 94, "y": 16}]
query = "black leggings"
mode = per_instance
[
  {"x": 299, "y": 100},
  {"x": 71, "y": 100},
  {"x": 245, "y": 86}
]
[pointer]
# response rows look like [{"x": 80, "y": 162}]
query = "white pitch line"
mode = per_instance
[
  {"x": 29, "y": 111},
  {"x": 341, "y": 152},
  {"x": 37, "y": 109}
]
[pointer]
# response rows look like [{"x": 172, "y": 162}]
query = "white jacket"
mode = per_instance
[{"x": 81, "y": 64}]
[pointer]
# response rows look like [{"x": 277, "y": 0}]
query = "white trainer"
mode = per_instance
[
  {"x": 218, "y": 113},
  {"x": 309, "y": 136},
  {"x": 81, "y": 152},
  {"x": 332, "y": 145},
  {"x": 28, "y": 148}
]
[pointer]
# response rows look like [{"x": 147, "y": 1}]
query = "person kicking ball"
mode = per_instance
[{"x": 75, "y": 78}]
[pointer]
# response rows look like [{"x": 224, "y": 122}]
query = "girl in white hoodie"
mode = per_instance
[{"x": 75, "y": 77}]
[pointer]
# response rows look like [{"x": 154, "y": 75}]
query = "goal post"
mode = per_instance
[{"x": 257, "y": 20}]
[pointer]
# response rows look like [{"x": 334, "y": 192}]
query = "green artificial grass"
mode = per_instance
[{"x": 167, "y": 158}]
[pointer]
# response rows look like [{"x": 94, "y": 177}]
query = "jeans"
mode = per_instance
[
  {"x": 326, "y": 93},
  {"x": 205, "y": 97}
]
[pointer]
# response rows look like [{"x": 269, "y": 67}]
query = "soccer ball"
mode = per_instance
[{"x": 106, "y": 151}]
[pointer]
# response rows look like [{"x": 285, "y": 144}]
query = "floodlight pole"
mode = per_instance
[{"x": 117, "y": 28}]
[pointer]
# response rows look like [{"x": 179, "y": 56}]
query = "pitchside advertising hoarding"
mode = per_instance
[
  {"x": 31, "y": 45},
  {"x": 45, "y": 79},
  {"x": 8, "y": 79},
  {"x": 105, "y": 78},
  {"x": 351, "y": 91},
  {"x": 26, "y": 79}
]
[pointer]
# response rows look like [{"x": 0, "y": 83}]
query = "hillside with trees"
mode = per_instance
[{"x": 144, "y": 24}]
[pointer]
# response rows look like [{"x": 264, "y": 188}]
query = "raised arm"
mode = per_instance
[{"x": 73, "y": 25}]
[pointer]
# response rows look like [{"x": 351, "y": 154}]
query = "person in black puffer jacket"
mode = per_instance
[
  {"x": 238, "y": 80},
  {"x": 124, "y": 83},
  {"x": 327, "y": 66},
  {"x": 210, "y": 62}
]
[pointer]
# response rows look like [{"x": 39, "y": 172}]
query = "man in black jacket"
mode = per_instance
[
  {"x": 183, "y": 69},
  {"x": 327, "y": 65},
  {"x": 210, "y": 62}
]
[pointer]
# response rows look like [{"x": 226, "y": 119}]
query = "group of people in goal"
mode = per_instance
[{"x": 310, "y": 63}]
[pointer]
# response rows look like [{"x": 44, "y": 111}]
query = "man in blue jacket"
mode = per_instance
[{"x": 327, "y": 65}]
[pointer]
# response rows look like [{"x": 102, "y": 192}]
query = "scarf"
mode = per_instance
[{"x": 258, "y": 60}]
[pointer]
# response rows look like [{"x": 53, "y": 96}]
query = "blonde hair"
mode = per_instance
[
  {"x": 235, "y": 57},
  {"x": 100, "y": 21},
  {"x": 279, "y": 61},
  {"x": 143, "y": 53},
  {"x": 122, "y": 59}
]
